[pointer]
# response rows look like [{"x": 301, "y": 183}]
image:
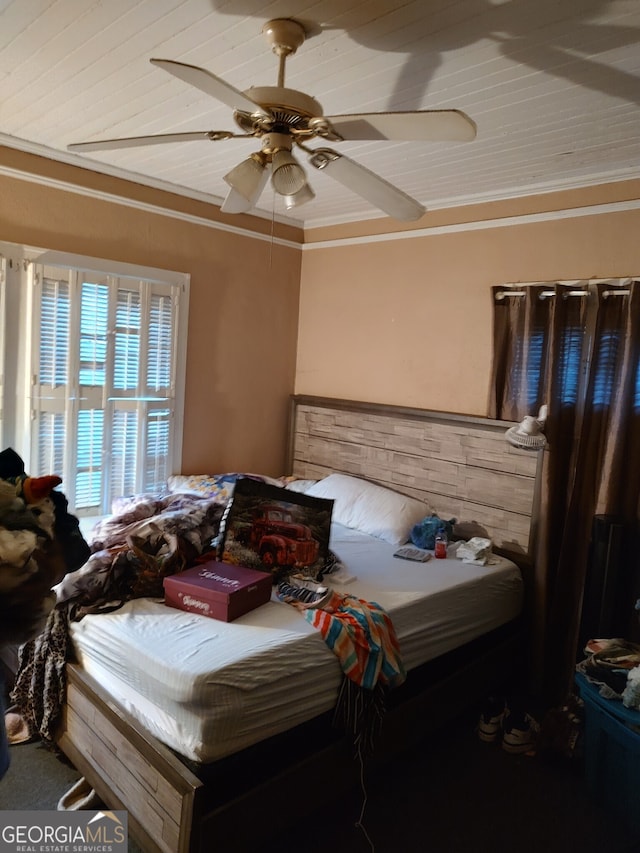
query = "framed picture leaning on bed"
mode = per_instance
[{"x": 276, "y": 530}]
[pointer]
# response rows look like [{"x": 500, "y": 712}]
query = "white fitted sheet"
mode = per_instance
[{"x": 208, "y": 688}]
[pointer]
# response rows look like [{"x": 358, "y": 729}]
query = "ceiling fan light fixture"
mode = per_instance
[
  {"x": 235, "y": 203},
  {"x": 301, "y": 197},
  {"x": 248, "y": 178},
  {"x": 287, "y": 175}
]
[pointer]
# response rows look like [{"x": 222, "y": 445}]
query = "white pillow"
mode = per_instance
[{"x": 370, "y": 508}]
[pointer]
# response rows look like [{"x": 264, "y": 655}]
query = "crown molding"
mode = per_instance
[
  {"x": 114, "y": 198},
  {"x": 480, "y": 225},
  {"x": 498, "y": 222}
]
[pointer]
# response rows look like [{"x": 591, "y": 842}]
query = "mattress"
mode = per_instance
[{"x": 208, "y": 689}]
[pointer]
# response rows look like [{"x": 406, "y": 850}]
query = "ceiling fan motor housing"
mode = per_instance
[{"x": 290, "y": 110}]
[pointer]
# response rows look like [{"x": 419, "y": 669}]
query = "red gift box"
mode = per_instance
[{"x": 219, "y": 590}]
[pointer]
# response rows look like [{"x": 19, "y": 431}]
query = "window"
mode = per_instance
[
  {"x": 103, "y": 377},
  {"x": 560, "y": 346}
]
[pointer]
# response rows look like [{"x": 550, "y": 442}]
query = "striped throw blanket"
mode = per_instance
[{"x": 362, "y": 636}]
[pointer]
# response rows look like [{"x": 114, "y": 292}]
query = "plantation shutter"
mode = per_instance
[
  {"x": 104, "y": 393},
  {"x": 52, "y": 395},
  {"x": 3, "y": 319}
]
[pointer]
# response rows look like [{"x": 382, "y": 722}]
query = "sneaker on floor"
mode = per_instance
[
  {"x": 519, "y": 732},
  {"x": 490, "y": 722},
  {"x": 80, "y": 796}
]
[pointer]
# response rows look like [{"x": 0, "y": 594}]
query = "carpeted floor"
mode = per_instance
[{"x": 454, "y": 794}]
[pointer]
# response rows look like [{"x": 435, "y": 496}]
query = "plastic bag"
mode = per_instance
[{"x": 423, "y": 534}]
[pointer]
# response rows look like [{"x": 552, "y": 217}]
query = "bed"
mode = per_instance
[{"x": 189, "y": 723}]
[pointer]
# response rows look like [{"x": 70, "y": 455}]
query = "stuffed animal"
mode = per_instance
[{"x": 31, "y": 559}]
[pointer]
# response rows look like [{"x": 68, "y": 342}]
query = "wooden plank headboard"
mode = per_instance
[{"x": 460, "y": 465}]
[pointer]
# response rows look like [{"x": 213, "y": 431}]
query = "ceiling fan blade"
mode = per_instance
[
  {"x": 424, "y": 126},
  {"x": 212, "y": 85},
  {"x": 367, "y": 184},
  {"x": 157, "y": 139}
]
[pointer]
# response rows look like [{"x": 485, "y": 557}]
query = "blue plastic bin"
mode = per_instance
[{"x": 612, "y": 753}]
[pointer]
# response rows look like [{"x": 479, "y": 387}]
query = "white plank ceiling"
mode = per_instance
[{"x": 553, "y": 86}]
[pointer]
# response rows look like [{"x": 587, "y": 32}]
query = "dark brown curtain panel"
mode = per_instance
[{"x": 579, "y": 354}]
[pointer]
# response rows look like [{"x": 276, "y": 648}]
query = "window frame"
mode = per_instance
[{"x": 18, "y": 302}]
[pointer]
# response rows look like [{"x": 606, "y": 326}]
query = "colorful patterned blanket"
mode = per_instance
[{"x": 362, "y": 636}]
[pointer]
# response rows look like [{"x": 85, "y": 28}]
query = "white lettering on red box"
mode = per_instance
[
  {"x": 188, "y": 601},
  {"x": 214, "y": 577}
]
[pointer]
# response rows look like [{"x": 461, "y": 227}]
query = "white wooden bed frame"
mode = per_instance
[{"x": 465, "y": 469}]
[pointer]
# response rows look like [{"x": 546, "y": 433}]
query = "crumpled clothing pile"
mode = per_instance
[
  {"x": 477, "y": 550},
  {"x": 614, "y": 665}
]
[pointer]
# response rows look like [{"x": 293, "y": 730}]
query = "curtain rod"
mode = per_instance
[
  {"x": 547, "y": 294},
  {"x": 571, "y": 281}
]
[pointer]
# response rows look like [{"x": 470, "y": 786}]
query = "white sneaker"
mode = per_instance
[
  {"x": 519, "y": 732},
  {"x": 490, "y": 721}
]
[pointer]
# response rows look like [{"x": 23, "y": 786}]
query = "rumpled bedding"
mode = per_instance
[{"x": 147, "y": 538}]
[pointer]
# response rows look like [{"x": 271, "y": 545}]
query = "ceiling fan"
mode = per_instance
[{"x": 282, "y": 118}]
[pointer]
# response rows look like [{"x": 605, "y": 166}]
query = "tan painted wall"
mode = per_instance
[
  {"x": 409, "y": 321},
  {"x": 243, "y": 301},
  {"x": 404, "y": 321}
]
